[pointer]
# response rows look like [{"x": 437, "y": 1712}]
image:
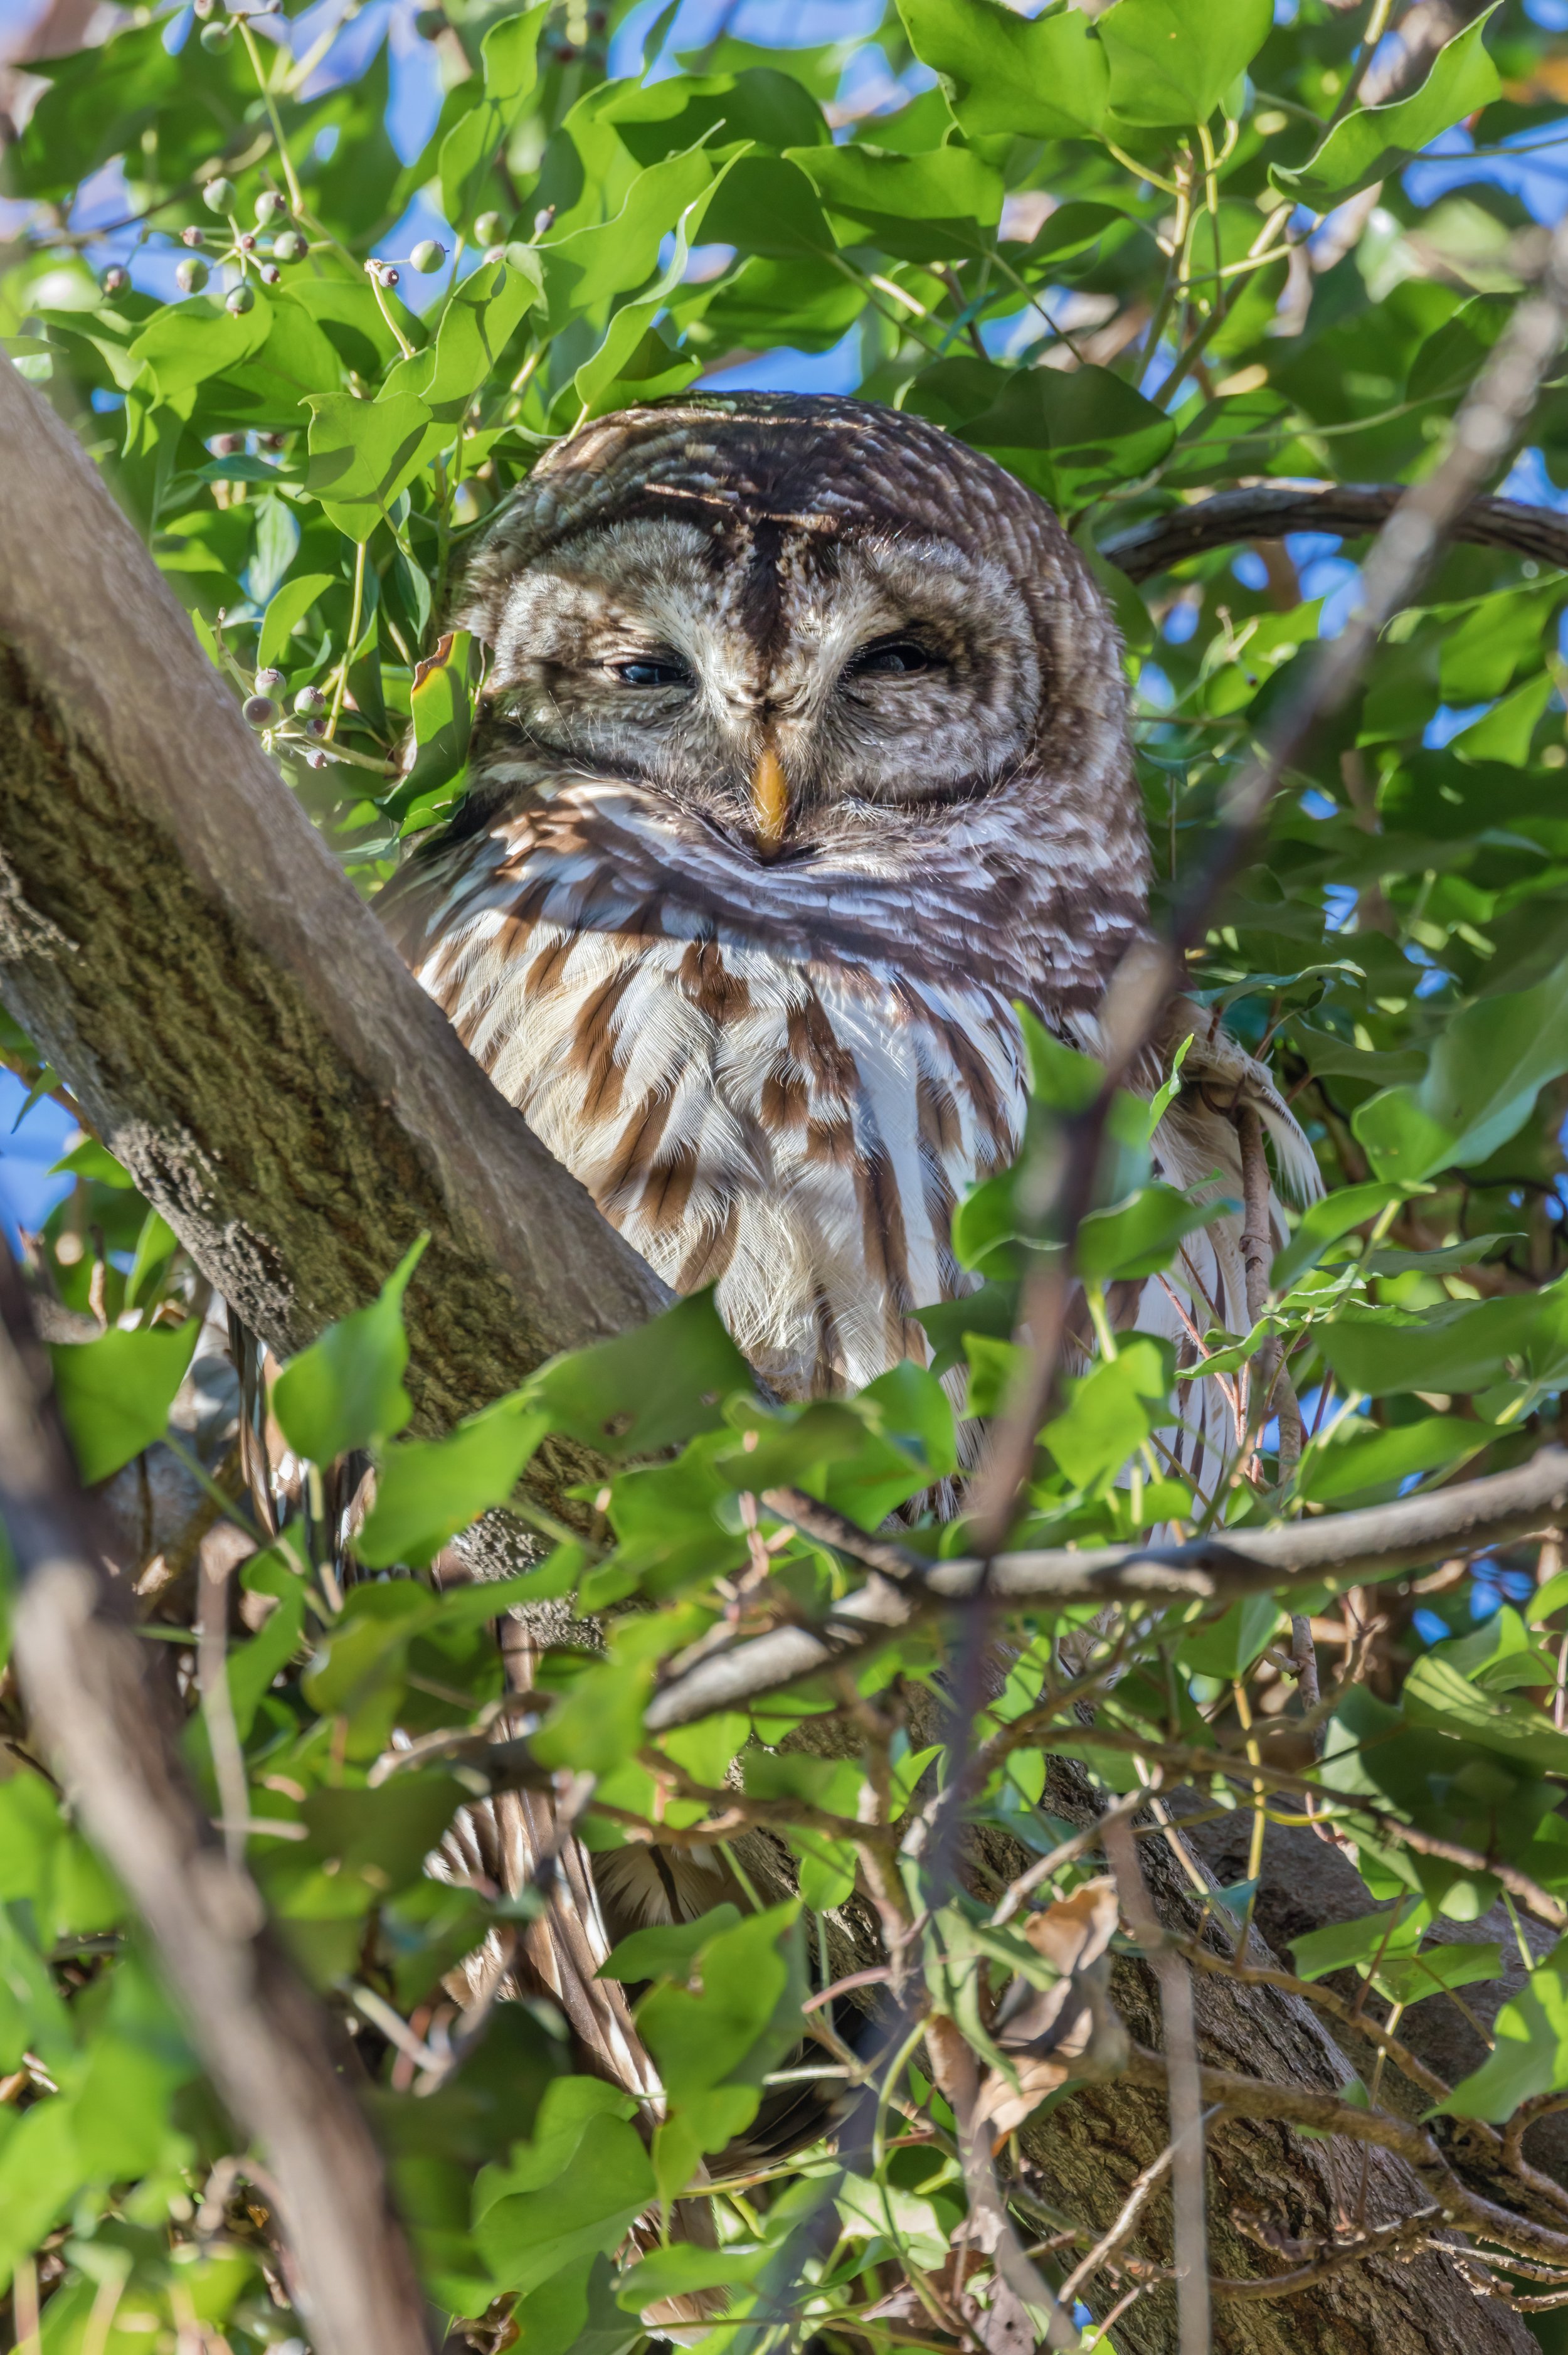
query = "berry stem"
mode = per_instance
[
  {"x": 404, "y": 345},
  {"x": 285, "y": 160},
  {"x": 340, "y": 687}
]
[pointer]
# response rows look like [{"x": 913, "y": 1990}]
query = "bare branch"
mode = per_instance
[
  {"x": 262, "y": 2035},
  {"x": 1268, "y": 512},
  {"x": 1345, "y": 1547}
]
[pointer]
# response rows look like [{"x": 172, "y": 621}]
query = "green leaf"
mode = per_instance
[
  {"x": 363, "y": 453},
  {"x": 1065, "y": 434},
  {"x": 746, "y": 2015},
  {"x": 1461, "y": 1348},
  {"x": 930, "y": 207},
  {"x": 667, "y": 1950},
  {"x": 480, "y": 317},
  {"x": 1326, "y": 1222},
  {"x": 442, "y": 713},
  {"x": 1395, "y": 1930},
  {"x": 1506, "y": 734},
  {"x": 1375, "y": 143},
  {"x": 292, "y": 602},
  {"x": 1437, "y": 1695},
  {"x": 1486, "y": 1070},
  {"x": 115, "y": 1393},
  {"x": 649, "y": 1389},
  {"x": 572, "y": 2192},
  {"x": 1529, "y": 2054},
  {"x": 346, "y": 1390},
  {"x": 587, "y": 268},
  {"x": 1228, "y": 1648},
  {"x": 1139, "y": 1236},
  {"x": 1173, "y": 62},
  {"x": 1047, "y": 79},
  {"x": 429, "y": 1490},
  {"x": 509, "y": 52},
  {"x": 1111, "y": 1411},
  {"x": 188, "y": 343},
  {"x": 1366, "y": 1459}
]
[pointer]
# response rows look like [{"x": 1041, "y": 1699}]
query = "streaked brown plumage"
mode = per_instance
[{"x": 803, "y": 760}]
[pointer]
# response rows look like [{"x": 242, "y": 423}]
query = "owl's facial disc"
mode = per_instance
[{"x": 779, "y": 685}]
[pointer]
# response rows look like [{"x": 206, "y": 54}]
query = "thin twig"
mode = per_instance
[{"x": 1183, "y": 2088}]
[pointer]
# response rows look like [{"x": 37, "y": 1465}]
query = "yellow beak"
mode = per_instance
[{"x": 769, "y": 799}]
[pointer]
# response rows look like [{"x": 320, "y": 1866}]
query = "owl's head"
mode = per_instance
[{"x": 791, "y": 616}]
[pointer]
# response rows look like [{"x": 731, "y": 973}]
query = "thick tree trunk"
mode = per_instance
[
  {"x": 177, "y": 940},
  {"x": 1091, "y": 2147}
]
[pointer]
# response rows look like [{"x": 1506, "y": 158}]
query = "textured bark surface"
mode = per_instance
[
  {"x": 1087, "y": 2152},
  {"x": 176, "y": 938}
]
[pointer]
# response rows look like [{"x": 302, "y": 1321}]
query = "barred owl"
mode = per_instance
[{"x": 803, "y": 763}]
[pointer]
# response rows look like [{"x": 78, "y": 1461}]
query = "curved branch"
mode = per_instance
[
  {"x": 179, "y": 941},
  {"x": 1352, "y": 509},
  {"x": 1349, "y": 1547}
]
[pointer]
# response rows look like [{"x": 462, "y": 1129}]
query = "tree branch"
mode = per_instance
[
  {"x": 1347, "y": 1546},
  {"x": 1265, "y": 512},
  {"x": 178, "y": 940},
  {"x": 262, "y": 2035}
]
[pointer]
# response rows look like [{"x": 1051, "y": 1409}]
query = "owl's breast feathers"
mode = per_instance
[
  {"x": 773, "y": 1080},
  {"x": 782, "y": 1080}
]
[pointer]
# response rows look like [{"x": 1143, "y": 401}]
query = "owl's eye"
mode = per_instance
[
  {"x": 889, "y": 658},
  {"x": 660, "y": 669}
]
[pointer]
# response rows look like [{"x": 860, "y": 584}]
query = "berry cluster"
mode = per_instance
[{"x": 263, "y": 249}]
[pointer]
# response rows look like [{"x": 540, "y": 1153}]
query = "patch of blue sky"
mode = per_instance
[
  {"x": 869, "y": 87},
  {"x": 1528, "y": 479},
  {"x": 27, "y": 1150},
  {"x": 1537, "y": 174},
  {"x": 1338, "y": 906},
  {"x": 352, "y": 52},
  {"x": 416, "y": 84},
  {"x": 1449, "y": 720},
  {"x": 1155, "y": 691},
  {"x": 785, "y": 370},
  {"x": 773, "y": 23},
  {"x": 1317, "y": 803},
  {"x": 1180, "y": 622}
]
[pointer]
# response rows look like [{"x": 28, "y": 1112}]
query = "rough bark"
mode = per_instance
[
  {"x": 178, "y": 940},
  {"x": 1089, "y": 2150}
]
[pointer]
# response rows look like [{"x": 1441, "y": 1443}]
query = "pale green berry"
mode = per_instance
[
  {"x": 215, "y": 38},
  {"x": 310, "y": 700},
  {"x": 261, "y": 711},
  {"x": 191, "y": 276},
  {"x": 290, "y": 246},
  {"x": 240, "y": 299},
  {"x": 428, "y": 257},
  {"x": 266, "y": 680},
  {"x": 269, "y": 204},
  {"x": 490, "y": 229}
]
